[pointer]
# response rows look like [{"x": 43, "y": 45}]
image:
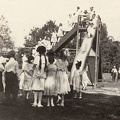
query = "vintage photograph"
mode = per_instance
[{"x": 59, "y": 60}]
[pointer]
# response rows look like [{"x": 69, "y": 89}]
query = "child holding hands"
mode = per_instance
[{"x": 50, "y": 80}]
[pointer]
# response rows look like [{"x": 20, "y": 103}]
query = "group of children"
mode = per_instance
[
  {"x": 88, "y": 20},
  {"x": 47, "y": 75},
  {"x": 43, "y": 74}
]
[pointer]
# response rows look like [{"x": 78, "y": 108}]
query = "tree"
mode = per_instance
[
  {"x": 105, "y": 49},
  {"x": 110, "y": 53},
  {"x": 39, "y": 33},
  {"x": 104, "y": 32},
  {"x": 5, "y": 39}
]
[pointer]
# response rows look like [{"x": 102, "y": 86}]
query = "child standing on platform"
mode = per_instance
[
  {"x": 28, "y": 76},
  {"x": 77, "y": 81},
  {"x": 50, "y": 80}
]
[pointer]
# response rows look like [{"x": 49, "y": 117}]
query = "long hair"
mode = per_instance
[
  {"x": 51, "y": 57},
  {"x": 40, "y": 62},
  {"x": 41, "y": 50}
]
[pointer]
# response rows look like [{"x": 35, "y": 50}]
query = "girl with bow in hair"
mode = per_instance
[{"x": 77, "y": 81}]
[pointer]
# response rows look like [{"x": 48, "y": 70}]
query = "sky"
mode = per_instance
[{"x": 23, "y": 15}]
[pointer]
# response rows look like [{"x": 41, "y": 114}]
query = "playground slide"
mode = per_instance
[
  {"x": 66, "y": 39},
  {"x": 82, "y": 54}
]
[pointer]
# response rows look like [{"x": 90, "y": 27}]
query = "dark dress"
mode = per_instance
[{"x": 1, "y": 84}]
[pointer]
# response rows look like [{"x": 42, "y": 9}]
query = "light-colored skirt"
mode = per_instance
[
  {"x": 50, "y": 86},
  {"x": 77, "y": 84},
  {"x": 27, "y": 84},
  {"x": 62, "y": 85},
  {"x": 38, "y": 84}
]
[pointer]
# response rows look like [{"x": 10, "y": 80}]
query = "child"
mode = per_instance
[
  {"x": 54, "y": 38},
  {"x": 60, "y": 32},
  {"x": 62, "y": 83},
  {"x": 90, "y": 30},
  {"x": 11, "y": 74},
  {"x": 28, "y": 76},
  {"x": 50, "y": 80},
  {"x": 40, "y": 65},
  {"x": 77, "y": 80},
  {"x": 24, "y": 61}
]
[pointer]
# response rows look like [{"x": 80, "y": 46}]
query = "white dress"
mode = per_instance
[
  {"x": 24, "y": 59},
  {"x": 77, "y": 81},
  {"x": 62, "y": 83},
  {"x": 39, "y": 76},
  {"x": 54, "y": 37},
  {"x": 91, "y": 31},
  {"x": 50, "y": 80},
  {"x": 60, "y": 31},
  {"x": 28, "y": 78}
]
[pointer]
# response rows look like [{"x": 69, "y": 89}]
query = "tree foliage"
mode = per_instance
[
  {"x": 110, "y": 50},
  {"x": 5, "y": 38},
  {"x": 39, "y": 33},
  {"x": 104, "y": 32},
  {"x": 35, "y": 35}
]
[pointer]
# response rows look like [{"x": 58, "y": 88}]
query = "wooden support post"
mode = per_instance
[
  {"x": 96, "y": 59},
  {"x": 78, "y": 35}
]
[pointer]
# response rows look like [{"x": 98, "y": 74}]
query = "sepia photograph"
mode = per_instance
[{"x": 59, "y": 60}]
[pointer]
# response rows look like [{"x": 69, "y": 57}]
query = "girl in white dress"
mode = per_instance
[
  {"x": 28, "y": 76},
  {"x": 24, "y": 62},
  {"x": 62, "y": 83},
  {"x": 54, "y": 38},
  {"x": 77, "y": 81},
  {"x": 39, "y": 76},
  {"x": 60, "y": 32},
  {"x": 50, "y": 80}
]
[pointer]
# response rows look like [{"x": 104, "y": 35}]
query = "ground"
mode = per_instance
[{"x": 102, "y": 103}]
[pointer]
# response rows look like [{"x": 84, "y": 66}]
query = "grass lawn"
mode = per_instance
[{"x": 91, "y": 107}]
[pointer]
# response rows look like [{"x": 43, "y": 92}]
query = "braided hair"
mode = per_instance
[
  {"x": 41, "y": 50},
  {"x": 51, "y": 57}
]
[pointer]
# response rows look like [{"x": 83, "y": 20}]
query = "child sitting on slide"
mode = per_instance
[{"x": 90, "y": 30}]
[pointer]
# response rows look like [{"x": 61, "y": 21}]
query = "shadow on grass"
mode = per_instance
[{"x": 90, "y": 107}]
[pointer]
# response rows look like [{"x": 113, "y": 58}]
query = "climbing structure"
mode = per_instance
[{"x": 88, "y": 51}]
